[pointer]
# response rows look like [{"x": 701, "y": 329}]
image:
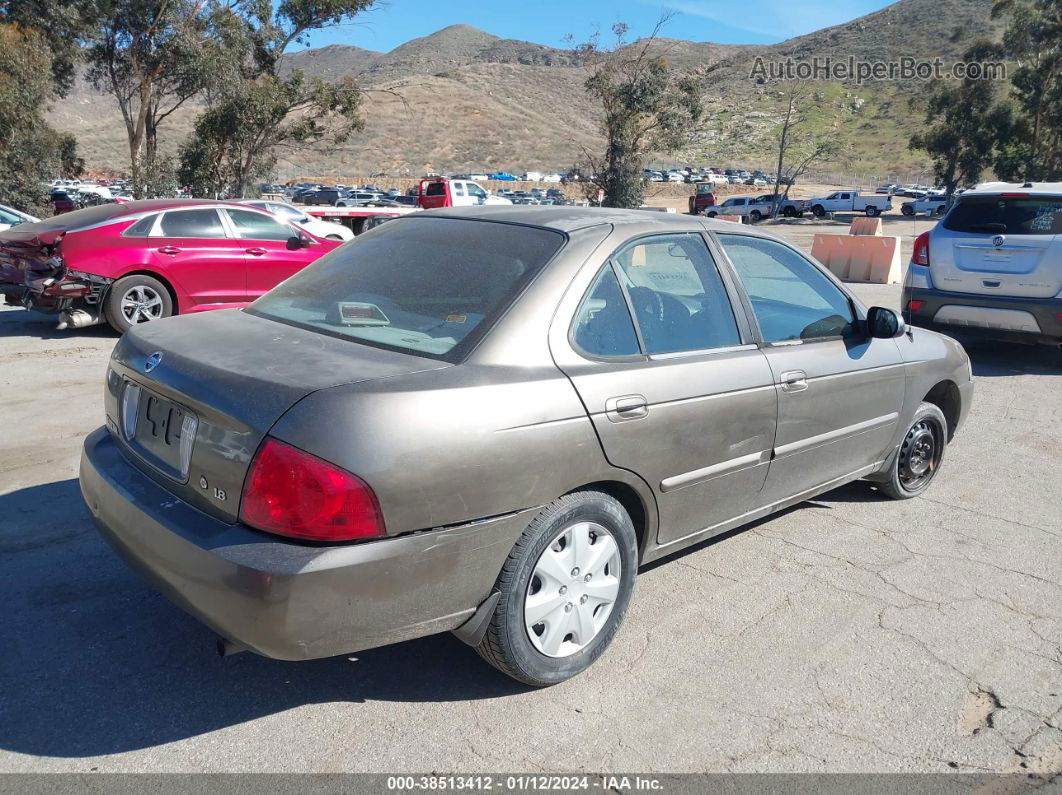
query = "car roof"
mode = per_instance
[
  {"x": 568, "y": 219},
  {"x": 1032, "y": 188}
]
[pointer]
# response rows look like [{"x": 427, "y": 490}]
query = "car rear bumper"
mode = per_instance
[
  {"x": 290, "y": 600},
  {"x": 1035, "y": 320}
]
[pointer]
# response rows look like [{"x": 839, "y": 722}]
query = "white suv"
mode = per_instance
[{"x": 992, "y": 266}]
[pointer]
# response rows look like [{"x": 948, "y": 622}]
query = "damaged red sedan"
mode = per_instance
[{"x": 132, "y": 263}]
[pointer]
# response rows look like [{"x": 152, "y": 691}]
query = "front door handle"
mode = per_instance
[
  {"x": 256, "y": 252},
  {"x": 171, "y": 250},
  {"x": 626, "y": 407},
  {"x": 793, "y": 381}
]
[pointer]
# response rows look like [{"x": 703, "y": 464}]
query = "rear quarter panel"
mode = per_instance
[{"x": 454, "y": 445}]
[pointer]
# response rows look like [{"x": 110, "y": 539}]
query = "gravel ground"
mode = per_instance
[{"x": 851, "y": 633}]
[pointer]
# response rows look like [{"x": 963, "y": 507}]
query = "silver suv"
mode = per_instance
[{"x": 992, "y": 266}]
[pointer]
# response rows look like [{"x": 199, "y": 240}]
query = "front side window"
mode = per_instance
[
  {"x": 678, "y": 297},
  {"x": 192, "y": 223},
  {"x": 603, "y": 325},
  {"x": 793, "y": 300},
  {"x": 418, "y": 285},
  {"x": 476, "y": 191},
  {"x": 258, "y": 226}
]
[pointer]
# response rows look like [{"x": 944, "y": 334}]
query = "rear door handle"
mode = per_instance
[
  {"x": 793, "y": 381},
  {"x": 626, "y": 407},
  {"x": 171, "y": 250},
  {"x": 256, "y": 252}
]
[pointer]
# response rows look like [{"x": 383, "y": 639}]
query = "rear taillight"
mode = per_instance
[
  {"x": 920, "y": 253},
  {"x": 915, "y": 305},
  {"x": 293, "y": 493}
]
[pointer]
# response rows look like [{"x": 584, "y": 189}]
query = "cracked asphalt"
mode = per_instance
[{"x": 848, "y": 634}]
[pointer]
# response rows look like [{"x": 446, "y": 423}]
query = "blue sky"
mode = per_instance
[{"x": 393, "y": 22}]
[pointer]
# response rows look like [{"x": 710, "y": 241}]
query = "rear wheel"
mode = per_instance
[
  {"x": 564, "y": 590},
  {"x": 907, "y": 209},
  {"x": 920, "y": 455},
  {"x": 134, "y": 300},
  {"x": 872, "y": 211},
  {"x": 333, "y": 237}
]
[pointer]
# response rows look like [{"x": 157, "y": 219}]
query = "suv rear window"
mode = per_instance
[
  {"x": 1034, "y": 215},
  {"x": 428, "y": 286}
]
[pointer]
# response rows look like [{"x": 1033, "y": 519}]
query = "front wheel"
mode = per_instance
[
  {"x": 711, "y": 214},
  {"x": 818, "y": 211},
  {"x": 756, "y": 216},
  {"x": 564, "y": 590},
  {"x": 907, "y": 210},
  {"x": 921, "y": 452},
  {"x": 137, "y": 299}
]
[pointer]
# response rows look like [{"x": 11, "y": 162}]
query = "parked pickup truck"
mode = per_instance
[
  {"x": 443, "y": 192},
  {"x": 848, "y": 201},
  {"x": 703, "y": 197},
  {"x": 756, "y": 208}
]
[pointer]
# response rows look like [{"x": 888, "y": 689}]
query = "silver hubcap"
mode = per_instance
[
  {"x": 141, "y": 304},
  {"x": 573, "y": 588}
]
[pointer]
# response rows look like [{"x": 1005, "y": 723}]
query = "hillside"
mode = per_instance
[{"x": 463, "y": 99}]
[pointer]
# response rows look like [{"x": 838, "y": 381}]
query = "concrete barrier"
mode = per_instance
[
  {"x": 737, "y": 219},
  {"x": 865, "y": 225},
  {"x": 860, "y": 258}
]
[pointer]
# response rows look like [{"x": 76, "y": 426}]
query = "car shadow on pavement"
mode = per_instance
[
  {"x": 97, "y": 662},
  {"x": 992, "y": 359},
  {"x": 17, "y": 322}
]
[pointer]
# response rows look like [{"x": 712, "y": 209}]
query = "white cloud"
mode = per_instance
[{"x": 774, "y": 19}]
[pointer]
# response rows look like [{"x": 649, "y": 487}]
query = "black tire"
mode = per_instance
[
  {"x": 507, "y": 644},
  {"x": 711, "y": 214},
  {"x": 118, "y": 317},
  {"x": 904, "y": 481},
  {"x": 334, "y": 237},
  {"x": 872, "y": 211},
  {"x": 788, "y": 212},
  {"x": 756, "y": 216},
  {"x": 907, "y": 209},
  {"x": 939, "y": 210},
  {"x": 818, "y": 211}
]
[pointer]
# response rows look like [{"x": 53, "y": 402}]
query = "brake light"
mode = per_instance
[
  {"x": 1014, "y": 195},
  {"x": 920, "y": 253},
  {"x": 292, "y": 493},
  {"x": 915, "y": 305}
]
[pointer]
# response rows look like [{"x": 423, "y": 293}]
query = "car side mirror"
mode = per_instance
[
  {"x": 883, "y": 323},
  {"x": 298, "y": 241}
]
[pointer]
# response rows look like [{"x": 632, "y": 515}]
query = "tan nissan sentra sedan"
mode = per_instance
[{"x": 484, "y": 420}]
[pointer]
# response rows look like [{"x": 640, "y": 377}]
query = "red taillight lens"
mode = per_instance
[
  {"x": 293, "y": 493},
  {"x": 915, "y": 306},
  {"x": 920, "y": 253}
]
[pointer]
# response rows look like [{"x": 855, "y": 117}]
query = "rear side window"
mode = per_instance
[
  {"x": 603, "y": 324},
  {"x": 1010, "y": 216},
  {"x": 142, "y": 228},
  {"x": 420, "y": 285},
  {"x": 435, "y": 189},
  {"x": 678, "y": 297},
  {"x": 192, "y": 223}
]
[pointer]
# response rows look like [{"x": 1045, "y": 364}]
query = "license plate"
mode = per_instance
[{"x": 164, "y": 433}]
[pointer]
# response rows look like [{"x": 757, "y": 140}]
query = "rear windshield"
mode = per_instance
[
  {"x": 428, "y": 286},
  {"x": 75, "y": 220},
  {"x": 1039, "y": 215}
]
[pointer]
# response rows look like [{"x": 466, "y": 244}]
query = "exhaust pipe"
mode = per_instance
[
  {"x": 78, "y": 318},
  {"x": 227, "y": 648}
]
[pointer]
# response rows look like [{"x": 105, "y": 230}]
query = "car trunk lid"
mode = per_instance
[
  {"x": 1000, "y": 245},
  {"x": 234, "y": 374}
]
